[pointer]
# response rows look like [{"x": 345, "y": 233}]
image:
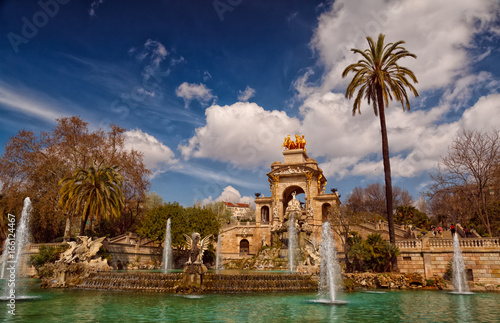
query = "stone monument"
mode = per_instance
[
  {"x": 194, "y": 269},
  {"x": 79, "y": 261}
]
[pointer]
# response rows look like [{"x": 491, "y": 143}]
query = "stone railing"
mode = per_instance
[
  {"x": 409, "y": 244},
  {"x": 437, "y": 243},
  {"x": 466, "y": 243},
  {"x": 241, "y": 224}
]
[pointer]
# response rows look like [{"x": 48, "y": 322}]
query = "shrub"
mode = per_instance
[{"x": 46, "y": 254}]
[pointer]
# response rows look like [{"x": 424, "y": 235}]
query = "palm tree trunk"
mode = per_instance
[
  {"x": 387, "y": 171},
  {"x": 83, "y": 223},
  {"x": 67, "y": 229}
]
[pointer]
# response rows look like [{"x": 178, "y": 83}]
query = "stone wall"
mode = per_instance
[{"x": 432, "y": 256}]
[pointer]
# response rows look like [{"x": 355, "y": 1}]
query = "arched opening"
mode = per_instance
[
  {"x": 264, "y": 215},
  {"x": 244, "y": 247},
  {"x": 326, "y": 212},
  {"x": 287, "y": 196}
]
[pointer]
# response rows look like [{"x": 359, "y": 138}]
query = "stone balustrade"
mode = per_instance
[
  {"x": 409, "y": 244},
  {"x": 433, "y": 256},
  {"x": 447, "y": 244}
]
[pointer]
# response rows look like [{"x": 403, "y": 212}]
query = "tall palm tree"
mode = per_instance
[
  {"x": 379, "y": 78},
  {"x": 93, "y": 192}
]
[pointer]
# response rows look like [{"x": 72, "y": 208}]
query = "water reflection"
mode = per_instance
[{"x": 392, "y": 306}]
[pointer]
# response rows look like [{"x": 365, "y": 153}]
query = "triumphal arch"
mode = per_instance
[{"x": 297, "y": 175}]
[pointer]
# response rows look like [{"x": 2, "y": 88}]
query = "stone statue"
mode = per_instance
[
  {"x": 197, "y": 247},
  {"x": 299, "y": 143},
  {"x": 313, "y": 257},
  {"x": 194, "y": 270},
  {"x": 77, "y": 262}
]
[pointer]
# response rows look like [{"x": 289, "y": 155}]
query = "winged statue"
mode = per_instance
[
  {"x": 313, "y": 257},
  {"x": 197, "y": 247}
]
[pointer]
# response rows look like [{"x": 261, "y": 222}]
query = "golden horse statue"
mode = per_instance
[{"x": 299, "y": 143}]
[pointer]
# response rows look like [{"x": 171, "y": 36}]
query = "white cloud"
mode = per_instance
[
  {"x": 190, "y": 91},
  {"x": 206, "y": 76},
  {"x": 485, "y": 114},
  {"x": 157, "y": 157},
  {"x": 153, "y": 53},
  {"x": 146, "y": 92},
  {"x": 31, "y": 103},
  {"x": 93, "y": 7},
  {"x": 441, "y": 34},
  {"x": 230, "y": 194},
  {"x": 246, "y": 94},
  {"x": 243, "y": 134},
  {"x": 438, "y": 32}
]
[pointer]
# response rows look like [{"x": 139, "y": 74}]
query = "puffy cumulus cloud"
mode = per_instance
[
  {"x": 191, "y": 91},
  {"x": 246, "y": 94},
  {"x": 351, "y": 145},
  {"x": 417, "y": 139},
  {"x": 243, "y": 134},
  {"x": 438, "y": 32},
  {"x": 230, "y": 194},
  {"x": 157, "y": 157},
  {"x": 485, "y": 114}
]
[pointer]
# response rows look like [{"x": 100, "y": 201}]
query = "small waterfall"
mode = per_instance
[
  {"x": 292, "y": 241},
  {"x": 5, "y": 253},
  {"x": 218, "y": 257},
  {"x": 13, "y": 261},
  {"x": 330, "y": 269},
  {"x": 459, "y": 278},
  {"x": 167, "y": 248}
]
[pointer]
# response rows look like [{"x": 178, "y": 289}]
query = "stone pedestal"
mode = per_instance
[{"x": 193, "y": 275}]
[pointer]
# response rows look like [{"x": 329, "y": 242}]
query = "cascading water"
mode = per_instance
[
  {"x": 459, "y": 278},
  {"x": 18, "y": 239},
  {"x": 218, "y": 262},
  {"x": 330, "y": 269},
  {"x": 167, "y": 248},
  {"x": 292, "y": 241},
  {"x": 4, "y": 254}
]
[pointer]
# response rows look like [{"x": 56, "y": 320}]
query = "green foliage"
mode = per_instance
[
  {"x": 46, "y": 254},
  {"x": 374, "y": 253},
  {"x": 183, "y": 220},
  {"x": 410, "y": 215},
  {"x": 93, "y": 192}
]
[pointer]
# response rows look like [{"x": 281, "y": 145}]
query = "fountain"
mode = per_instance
[
  {"x": 459, "y": 278},
  {"x": 218, "y": 262},
  {"x": 17, "y": 239},
  {"x": 292, "y": 241},
  {"x": 330, "y": 269},
  {"x": 167, "y": 248}
]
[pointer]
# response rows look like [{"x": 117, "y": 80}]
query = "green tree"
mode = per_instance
[
  {"x": 203, "y": 220},
  {"x": 93, "y": 192},
  {"x": 33, "y": 165},
  {"x": 374, "y": 253},
  {"x": 379, "y": 78},
  {"x": 410, "y": 215}
]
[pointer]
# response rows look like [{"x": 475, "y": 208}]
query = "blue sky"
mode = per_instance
[{"x": 208, "y": 89}]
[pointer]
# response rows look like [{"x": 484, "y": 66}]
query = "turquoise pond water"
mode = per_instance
[{"x": 67, "y": 305}]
